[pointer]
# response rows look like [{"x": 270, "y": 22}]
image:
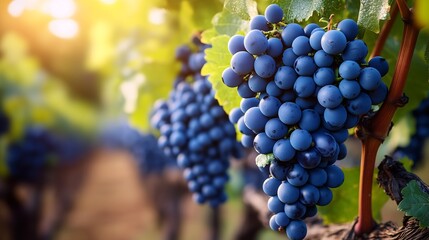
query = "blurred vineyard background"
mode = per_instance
[{"x": 87, "y": 73}]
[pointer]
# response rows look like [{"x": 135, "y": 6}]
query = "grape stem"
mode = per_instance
[
  {"x": 385, "y": 31},
  {"x": 378, "y": 127}
]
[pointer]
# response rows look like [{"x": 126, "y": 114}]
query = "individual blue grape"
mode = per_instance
[
  {"x": 355, "y": 50},
  {"x": 349, "y": 28},
  {"x": 301, "y": 46},
  {"x": 278, "y": 170},
  {"x": 236, "y": 44},
  {"x": 265, "y": 66},
  {"x": 247, "y": 140},
  {"x": 317, "y": 177},
  {"x": 273, "y": 224},
  {"x": 295, "y": 210},
  {"x": 259, "y": 22},
  {"x": 283, "y": 150},
  {"x": 304, "y": 86},
  {"x": 325, "y": 196},
  {"x": 255, "y": 42},
  {"x": 285, "y": 77},
  {"x": 297, "y": 175},
  {"x": 287, "y": 193},
  {"x": 275, "y": 205},
  {"x": 329, "y": 96},
  {"x": 305, "y": 66},
  {"x": 322, "y": 59},
  {"x": 275, "y": 129},
  {"x": 306, "y": 103},
  {"x": 289, "y": 57},
  {"x": 349, "y": 89},
  {"x": 274, "y": 13},
  {"x": 349, "y": 70},
  {"x": 242, "y": 62},
  {"x": 255, "y": 120},
  {"x": 296, "y": 230},
  {"x": 289, "y": 113},
  {"x": 244, "y": 91},
  {"x": 257, "y": 84},
  {"x": 275, "y": 47},
  {"x": 360, "y": 105},
  {"x": 271, "y": 185},
  {"x": 269, "y": 106},
  {"x": 335, "y": 117},
  {"x": 343, "y": 151},
  {"x": 309, "y": 194},
  {"x": 310, "y": 120},
  {"x": 325, "y": 143},
  {"x": 335, "y": 176},
  {"x": 340, "y": 135},
  {"x": 309, "y": 28},
  {"x": 309, "y": 159},
  {"x": 333, "y": 42},
  {"x": 352, "y": 121},
  {"x": 315, "y": 40},
  {"x": 243, "y": 128},
  {"x": 235, "y": 114},
  {"x": 380, "y": 64},
  {"x": 369, "y": 78},
  {"x": 273, "y": 90},
  {"x": 263, "y": 144},
  {"x": 282, "y": 219},
  {"x": 247, "y": 103},
  {"x": 324, "y": 76},
  {"x": 290, "y": 32},
  {"x": 378, "y": 95},
  {"x": 300, "y": 139}
]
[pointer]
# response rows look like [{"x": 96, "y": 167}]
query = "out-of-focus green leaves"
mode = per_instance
[
  {"x": 346, "y": 199},
  {"x": 245, "y": 9},
  {"x": 421, "y": 7}
]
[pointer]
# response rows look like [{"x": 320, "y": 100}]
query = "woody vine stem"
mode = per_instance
[{"x": 373, "y": 131}]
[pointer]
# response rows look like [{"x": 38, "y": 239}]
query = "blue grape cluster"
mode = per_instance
[
  {"x": 28, "y": 157},
  {"x": 302, "y": 89},
  {"x": 414, "y": 149},
  {"x": 196, "y": 131},
  {"x": 143, "y": 147}
]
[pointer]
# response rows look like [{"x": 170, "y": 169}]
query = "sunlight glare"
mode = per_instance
[
  {"x": 157, "y": 16},
  {"x": 108, "y": 1},
  {"x": 64, "y": 28},
  {"x": 60, "y": 8},
  {"x": 16, "y": 8}
]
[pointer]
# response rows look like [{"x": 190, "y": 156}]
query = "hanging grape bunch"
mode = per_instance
[
  {"x": 302, "y": 89},
  {"x": 195, "y": 130}
]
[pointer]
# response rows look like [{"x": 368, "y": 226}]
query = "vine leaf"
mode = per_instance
[
  {"x": 415, "y": 203},
  {"x": 299, "y": 10},
  {"x": 245, "y": 9},
  {"x": 346, "y": 199},
  {"x": 228, "y": 23},
  {"x": 218, "y": 59},
  {"x": 371, "y": 12}
]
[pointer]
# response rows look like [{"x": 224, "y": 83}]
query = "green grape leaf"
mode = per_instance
[
  {"x": 299, "y": 10},
  {"x": 227, "y": 23},
  {"x": 371, "y": 12},
  {"x": 263, "y": 160},
  {"x": 246, "y": 9},
  {"x": 218, "y": 59},
  {"x": 346, "y": 199},
  {"x": 415, "y": 203}
]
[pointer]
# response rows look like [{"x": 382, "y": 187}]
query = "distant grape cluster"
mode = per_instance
[
  {"x": 196, "y": 131},
  {"x": 143, "y": 147},
  {"x": 28, "y": 157},
  {"x": 414, "y": 149},
  {"x": 302, "y": 89}
]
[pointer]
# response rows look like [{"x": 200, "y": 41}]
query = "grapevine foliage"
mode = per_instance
[{"x": 415, "y": 203}]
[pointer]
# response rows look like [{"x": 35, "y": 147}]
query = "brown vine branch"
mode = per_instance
[
  {"x": 404, "y": 9},
  {"x": 379, "y": 126},
  {"x": 385, "y": 31}
]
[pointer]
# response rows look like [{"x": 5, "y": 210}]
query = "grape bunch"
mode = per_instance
[
  {"x": 414, "y": 149},
  {"x": 143, "y": 147},
  {"x": 301, "y": 89},
  {"x": 196, "y": 131},
  {"x": 28, "y": 157}
]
